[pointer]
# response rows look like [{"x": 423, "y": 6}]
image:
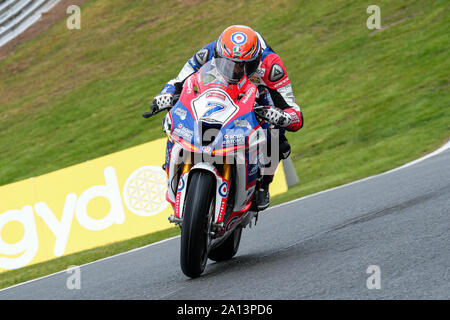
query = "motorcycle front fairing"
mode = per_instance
[{"x": 213, "y": 123}]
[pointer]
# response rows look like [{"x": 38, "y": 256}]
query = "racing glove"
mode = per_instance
[
  {"x": 273, "y": 115},
  {"x": 162, "y": 101}
]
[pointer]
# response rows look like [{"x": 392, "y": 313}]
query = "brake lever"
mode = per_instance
[{"x": 147, "y": 115}]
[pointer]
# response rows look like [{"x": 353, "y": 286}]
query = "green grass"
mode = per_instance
[{"x": 371, "y": 100}]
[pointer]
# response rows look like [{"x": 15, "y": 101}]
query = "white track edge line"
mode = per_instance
[
  {"x": 409, "y": 164},
  {"x": 434, "y": 153},
  {"x": 88, "y": 263}
]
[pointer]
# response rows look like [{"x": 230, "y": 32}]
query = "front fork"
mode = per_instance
[{"x": 222, "y": 191}]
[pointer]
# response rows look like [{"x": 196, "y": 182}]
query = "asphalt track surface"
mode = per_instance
[{"x": 316, "y": 247}]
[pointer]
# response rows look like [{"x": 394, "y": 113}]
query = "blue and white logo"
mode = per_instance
[
  {"x": 213, "y": 108},
  {"x": 238, "y": 38},
  {"x": 223, "y": 190},
  {"x": 181, "y": 184}
]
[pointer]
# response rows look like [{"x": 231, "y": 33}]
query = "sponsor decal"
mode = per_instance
[
  {"x": 232, "y": 139},
  {"x": 239, "y": 38},
  {"x": 241, "y": 83},
  {"x": 282, "y": 83},
  {"x": 189, "y": 85},
  {"x": 181, "y": 113},
  {"x": 276, "y": 73},
  {"x": 260, "y": 72},
  {"x": 222, "y": 210},
  {"x": 248, "y": 94},
  {"x": 216, "y": 95},
  {"x": 242, "y": 124},
  {"x": 177, "y": 205},
  {"x": 255, "y": 80},
  {"x": 183, "y": 132}
]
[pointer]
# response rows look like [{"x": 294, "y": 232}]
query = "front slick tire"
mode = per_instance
[{"x": 195, "y": 227}]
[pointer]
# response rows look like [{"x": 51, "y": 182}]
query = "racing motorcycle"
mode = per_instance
[{"x": 213, "y": 163}]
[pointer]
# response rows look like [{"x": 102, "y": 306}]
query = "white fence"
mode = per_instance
[{"x": 16, "y": 16}]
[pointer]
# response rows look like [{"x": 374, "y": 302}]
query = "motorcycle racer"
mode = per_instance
[{"x": 241, "y": 51}]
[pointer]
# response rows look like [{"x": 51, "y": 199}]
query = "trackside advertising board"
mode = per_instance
[{"x": 109, "y": 199}]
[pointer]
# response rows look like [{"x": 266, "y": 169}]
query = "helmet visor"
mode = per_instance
[
  {"x": 233, "y": 71},
  {"x": 251, "y": 66}
]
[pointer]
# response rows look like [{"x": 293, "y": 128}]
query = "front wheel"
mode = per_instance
[{"x": 197, "y": 217}]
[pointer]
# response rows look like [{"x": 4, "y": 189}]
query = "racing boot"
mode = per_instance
[{"x": 263, "y": 193}]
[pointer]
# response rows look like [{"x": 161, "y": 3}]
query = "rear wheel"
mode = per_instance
[
  {"x": 228, "y": 248},
  {"x": 197, "y": 218}
]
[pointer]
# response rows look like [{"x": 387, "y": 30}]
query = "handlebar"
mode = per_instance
[{"x": 147, "y": 115}]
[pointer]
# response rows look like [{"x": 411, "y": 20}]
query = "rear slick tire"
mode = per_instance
[{"x": 196, "y": 223}]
